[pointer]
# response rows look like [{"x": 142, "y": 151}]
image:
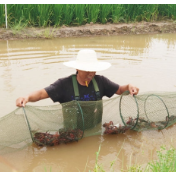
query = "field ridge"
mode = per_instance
[{"x": 87, "y": 30}]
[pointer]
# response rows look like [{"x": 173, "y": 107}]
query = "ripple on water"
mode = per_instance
[{"x": 147, "y": 61}]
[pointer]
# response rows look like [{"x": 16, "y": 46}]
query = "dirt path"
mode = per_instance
[{"x": 90, "y": 30}]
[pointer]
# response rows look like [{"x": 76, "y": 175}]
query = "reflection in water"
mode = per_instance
[{"x": 147, "y": 61}]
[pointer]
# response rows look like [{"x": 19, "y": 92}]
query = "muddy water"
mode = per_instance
[{"x": 147, "y": 61}]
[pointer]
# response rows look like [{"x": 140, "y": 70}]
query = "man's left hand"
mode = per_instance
[{"x": 133, "y": 90}]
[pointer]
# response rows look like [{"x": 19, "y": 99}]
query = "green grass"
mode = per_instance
[
  {"x": 48, "y": 33},
  {"x": 166, "y": 162},
  {"x": 48, "y": 170},
  {"x": 98, "y": 167},
  {"x": 18, "y": 27},
  {"x": 43, "y": 15}
]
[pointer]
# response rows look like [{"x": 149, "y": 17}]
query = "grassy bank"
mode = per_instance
[
  {"x": 42, "y": 15},
  {"x": 166, "y": 162}
]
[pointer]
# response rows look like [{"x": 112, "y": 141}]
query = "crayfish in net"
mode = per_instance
[
  {"x": 142, "y": 123},
  {"x": 110, "y": 128},
  {"x": 64, "y": 136}
]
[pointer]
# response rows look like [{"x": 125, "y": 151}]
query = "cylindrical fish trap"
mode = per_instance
[
  {"x": 71, "y": 121},
  {"x": 55, "y": 125},
  {"x": 148, "y": 111}
]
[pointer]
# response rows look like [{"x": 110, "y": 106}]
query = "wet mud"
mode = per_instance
[{"x": 89, "y": 30}]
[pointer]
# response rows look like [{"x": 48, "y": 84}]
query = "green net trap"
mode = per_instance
[{"x": 68, "y": 122}]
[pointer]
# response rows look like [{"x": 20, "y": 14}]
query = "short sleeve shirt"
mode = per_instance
[{"x": 62, "y": 90}]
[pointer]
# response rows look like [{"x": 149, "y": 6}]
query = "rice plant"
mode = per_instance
[
  {"x": 163, "y": 10},
  {"x": 145, "y": 12},
  {"x": 105, "y": 10},
  {"x": 117, "y": 13},
  {"x": 30, "y": 14},
  {"x": 92, "y": 12},
  {"x": 68, "y": 13},
  {"x": 172, "y": 11},
  {"x": 44, "y": 13},
  {"x": 129, "y": 11},
  {"x": 167, "y": 11},
  {"x": 2, "y": 15},
  {"x": 57, "y": 14},
  {"x": 14, "y": 13},
  {"x": 80, "y": 13}
]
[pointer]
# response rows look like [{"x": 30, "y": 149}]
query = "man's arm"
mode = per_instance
[
  {"x": 32, "y": 97},
  {"x": 132, "y": 89}
]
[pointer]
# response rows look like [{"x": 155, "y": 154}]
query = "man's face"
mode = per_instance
[{"x": 85, "y": 75}]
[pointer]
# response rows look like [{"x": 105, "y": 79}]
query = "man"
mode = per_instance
[{"x": 84, "y": 86}]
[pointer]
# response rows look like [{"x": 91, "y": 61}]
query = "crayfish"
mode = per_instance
[
  {"x": 64, "y": 136},
  {"x": 110, "y": 128}
]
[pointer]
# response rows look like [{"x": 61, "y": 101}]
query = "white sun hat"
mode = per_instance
[{"x": 86, "y": 60}]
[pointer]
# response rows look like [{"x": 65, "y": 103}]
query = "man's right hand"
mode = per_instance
[
  {"x": 32, "y": 97},
  {"x": 21, "y": 101}
]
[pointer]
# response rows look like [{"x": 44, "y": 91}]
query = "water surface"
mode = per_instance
[{"x": 147, "y": 61}]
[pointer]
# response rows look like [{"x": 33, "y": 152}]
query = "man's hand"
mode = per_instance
[
  {"x": 133, "y": 90},
  {"x": 32, "y": 97},
  {"x": 21, "y": 101}
]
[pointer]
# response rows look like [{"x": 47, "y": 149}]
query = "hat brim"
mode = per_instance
[{"x": 96, "y": 66}]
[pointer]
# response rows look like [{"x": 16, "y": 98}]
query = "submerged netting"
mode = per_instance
[{"x": 68, "y": 122}]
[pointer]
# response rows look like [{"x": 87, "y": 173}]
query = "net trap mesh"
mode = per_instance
[{"x": 71, "y": 121}]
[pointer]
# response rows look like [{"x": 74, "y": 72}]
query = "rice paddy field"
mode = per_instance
[
  {"x": 42, "y": 15},
  {"x": 143, "y": 58}
]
